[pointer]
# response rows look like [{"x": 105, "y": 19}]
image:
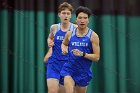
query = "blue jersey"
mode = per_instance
[
  {"x": 79, "y": 68},
  {"x": 58, "y": 38},
  {"x": 84, "y": 45}
]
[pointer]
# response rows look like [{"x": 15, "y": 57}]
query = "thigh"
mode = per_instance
[
  {"x": 68, "y": 80},
  {"x": 53, "y": 84},
  {"x": 69, "y": 84}
]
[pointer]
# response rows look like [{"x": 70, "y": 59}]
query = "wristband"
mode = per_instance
[{"x": 83, "y": 54}]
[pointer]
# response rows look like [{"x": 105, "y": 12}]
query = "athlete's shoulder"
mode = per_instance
[
  {"x": 54, "y": 26},
  {"x": 93, "y": 33},
  {"x": 94, "y": 36}
]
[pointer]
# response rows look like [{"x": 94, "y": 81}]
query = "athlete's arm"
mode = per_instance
[
  {"x": 64, "y": 45},
  {"x": 51, "y": 35},
  {"x": 50, "y": 42},
  {"x": 96, "y": 48},
  {"x": 48, "y": 54}
]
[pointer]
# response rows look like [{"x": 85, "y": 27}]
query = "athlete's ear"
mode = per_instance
[
  {"x": 59, "y": 14},
  {"x": 88, "y": 21},
  {"x": 70, "y": 15}
]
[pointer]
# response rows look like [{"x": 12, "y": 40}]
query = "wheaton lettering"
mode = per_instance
[{"x": 79, "y": 44}]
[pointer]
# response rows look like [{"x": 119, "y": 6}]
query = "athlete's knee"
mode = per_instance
[
  {"x": 52, "y": 90},
  {"x": 81, "y": 89}
]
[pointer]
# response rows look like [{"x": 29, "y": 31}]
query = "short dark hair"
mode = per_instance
[{"x": 84, "y": 10}]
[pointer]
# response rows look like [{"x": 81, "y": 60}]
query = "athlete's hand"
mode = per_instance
[
  {"x": 45, "y": 60},
  {"x": 64, "y": 51},
  {"x": 77, "y": 52},
  {"x": 50, "y": 44}
]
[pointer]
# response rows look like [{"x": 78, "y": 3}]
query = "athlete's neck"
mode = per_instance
[
  {"x": 81, "y": 32},
  {"x": 65, "y": 25}
]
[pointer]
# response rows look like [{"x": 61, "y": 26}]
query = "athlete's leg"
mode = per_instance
[
  {"x": 80, "y": 89},
  {"x": 53, "y": 85},
  {"x": 61, "y": 89},
  {"x": 69, "y": 84},
  {"x": 75, "y": 91}
]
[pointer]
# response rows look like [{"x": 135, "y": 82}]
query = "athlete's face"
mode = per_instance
[
  {"x": 82, "y": 20},
  {"x": 65, "y": 15}
]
